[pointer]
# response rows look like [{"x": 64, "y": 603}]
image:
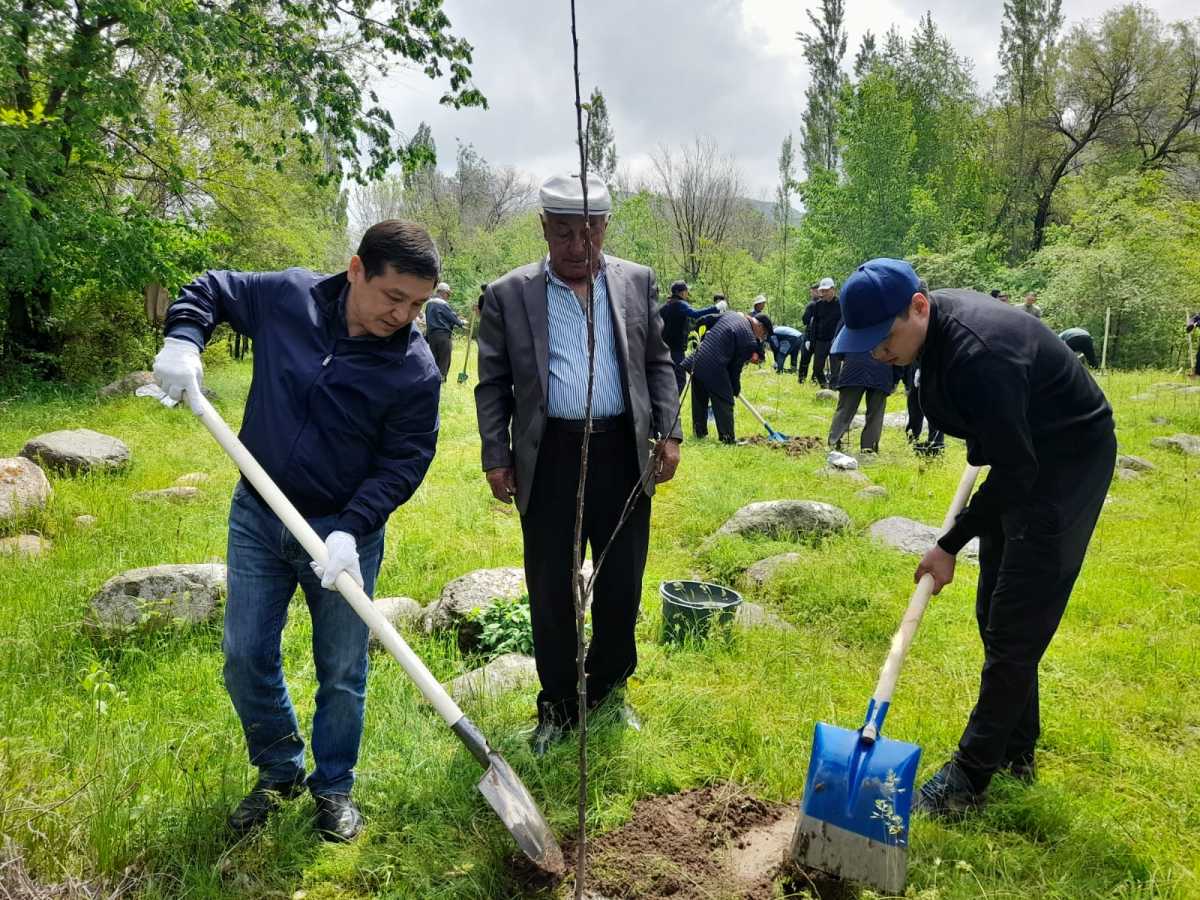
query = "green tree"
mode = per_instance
[
  {"x": 95, "y": 96},
  {"x": 783, "y": 208},
  {"x": 823, "y": 51},
  {"x": 601, "y": 143}
]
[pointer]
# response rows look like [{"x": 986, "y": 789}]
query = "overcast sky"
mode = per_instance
[{"x": 671, "y": 70}]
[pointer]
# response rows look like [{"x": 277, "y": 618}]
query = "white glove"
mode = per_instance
[
  {"x": 343, "y": 557},
  {"x": 178, "y": 371},
  {"x": 722, "y": 306}
]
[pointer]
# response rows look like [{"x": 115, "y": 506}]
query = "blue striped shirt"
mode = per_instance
[{"x": 569, "y": 353}]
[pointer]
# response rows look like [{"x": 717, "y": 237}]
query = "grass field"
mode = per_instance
[{"x": 139, "y": 790}]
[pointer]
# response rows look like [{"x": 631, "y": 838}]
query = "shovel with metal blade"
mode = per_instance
[
  {"x": 500, "y": 785},
  {"x": 858, "y": 794},
  {"x": 462, "y": 376},
  {"x": 772, "y": 434}
]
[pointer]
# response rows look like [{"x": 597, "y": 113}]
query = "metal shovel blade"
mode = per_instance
[
  {"x": 857, "y": 804},
  {"x": 507, "y": 795}
]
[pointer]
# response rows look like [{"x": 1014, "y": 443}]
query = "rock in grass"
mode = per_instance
[
  {"x": 504, "y": 673},
  {"x": 170, "y": 495},
  {"x": 1124, "y": 461},
  {"x": 1141, "y": 398},
  {"x": 125, "y": 385},
  {"x": 751, "y": 615},
  {"x": 77, "y": 451},
  {"x": 1128, "y": 474},
  {"x": 825, "y": 395},
  {"x": 786, "y": 518},
  {"x": 914, "y": 537},
  {"x": 890, "y": 420},
  {"x": 192, "y": 479},
  {"x": 1183, "y": 443},
  {"x": 475, "y": 590},
  {"x": 403, "y": 612},
  {"x": 844, "y": 474},
  {"x": 873, "y": 492},
  {"x": 24, "y": 545},
  {"x": 85, "y": 521},
  {"x": 155, "y": 597},
  {"x": 764, "y": 570},
  {"x": 1160, "y": 420},
  {"x": 23, "y": 487}
]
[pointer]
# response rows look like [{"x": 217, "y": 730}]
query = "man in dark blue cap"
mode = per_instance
[{"x": 998, "y": 378}]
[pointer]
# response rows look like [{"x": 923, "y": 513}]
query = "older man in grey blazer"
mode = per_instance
[{"x": 530, "y": 402}]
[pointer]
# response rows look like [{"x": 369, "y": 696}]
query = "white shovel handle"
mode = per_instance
[
  {"x": 903, "y": 638},
  {"x": 753, "y": 411},
  {"x": 429, "y": 686}
]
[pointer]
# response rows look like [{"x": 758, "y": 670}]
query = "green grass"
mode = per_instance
[{"x": 144, "y": 786}]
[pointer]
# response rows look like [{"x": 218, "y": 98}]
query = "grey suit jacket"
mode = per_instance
[{"x": 514, "y": 353}]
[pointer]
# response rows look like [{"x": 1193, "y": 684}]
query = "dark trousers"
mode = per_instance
[
  {"x": 1083, "y": 343},
  {"x": 722, "y": 412},
  {"x": 439, "y": 343},
  {"x": 1028, "y": 563},
  {"x": 680, "y": 374},
  {"x": 806, "y": 355},
  {"x": 916, "y": 416},
  {"x": 820, "y": 355},
  {"x": 849, "y": 399},
  {"x": 782, "y": 354},
  {"x": 548, "y": 526}
]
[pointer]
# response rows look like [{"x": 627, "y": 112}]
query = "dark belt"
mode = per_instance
[{"x": 576, "y": 426}]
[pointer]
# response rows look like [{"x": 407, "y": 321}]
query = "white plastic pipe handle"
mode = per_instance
[
  {"x": 902, "y": 640},
  {"x": 429, "y": 686}
]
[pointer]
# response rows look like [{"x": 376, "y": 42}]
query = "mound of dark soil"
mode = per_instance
[{"x": 794, "y": 446}]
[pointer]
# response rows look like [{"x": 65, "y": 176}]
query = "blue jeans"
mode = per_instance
[{"x": 265, "y": 564}]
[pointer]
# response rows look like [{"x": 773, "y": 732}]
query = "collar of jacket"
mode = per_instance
[
  {"x": 551, "y": 275},
  {"x": 330, "y": 293}
]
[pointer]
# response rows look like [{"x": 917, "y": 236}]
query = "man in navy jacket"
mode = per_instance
[
  {"x": 716, "y": 369},
  {"x": 343, "y": 415},
  {"x": 677, "y": 315}
]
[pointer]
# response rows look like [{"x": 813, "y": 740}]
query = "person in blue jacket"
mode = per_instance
[
  {"x": 785, "y": 343},
  {"x": 716, "y": 368},
  {"x": 343, "y": 415},
  {"x": 677, "y": 315}
]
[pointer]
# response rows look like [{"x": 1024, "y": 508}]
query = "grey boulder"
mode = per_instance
[
  {"x": 475, "y": 590},
  {"x": 751, "y": 615},
  {"x": 914, "y": 537},
  {"x": 403, "y": 613},
  {"x": 157, "y": 596},
  {"x": 125, "y": 385},
  {"x": 786, "y": 518},
  {"x": 24, "y": 545},
  {"x": 77, "y": 451},
  {"x": 1136, "y": 463},
  {"x": 1183, "y": 443},
  {"x": 872, "y": 492},
  {"x": 23, "y": 487},
  {"x": 764, "y": 570},
  {"x": 825, "y": 395},
  {"x": 170, "y": 495}
]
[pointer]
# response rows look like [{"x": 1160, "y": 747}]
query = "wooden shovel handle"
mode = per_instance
[{"x": 903, "y": 638}]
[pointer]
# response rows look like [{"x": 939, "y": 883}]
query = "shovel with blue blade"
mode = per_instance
[
  {"x": 772, "y": 435},
  {"x": 858, "y": 795}
]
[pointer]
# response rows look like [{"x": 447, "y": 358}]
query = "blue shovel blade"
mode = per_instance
[
  {"x": 866, "y": 789},
  {"x": 773, "y": 435},
  {"x": 856, "y": 810}
]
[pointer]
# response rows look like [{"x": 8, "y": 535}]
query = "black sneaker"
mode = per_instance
[
  {"x": 949, "y": 794},
  {"x": 1023, "y": 768},
  {"x": 261, "y": 802},
  {"x": 338, "y": 819},
  {"x": 545, "y": 735}
]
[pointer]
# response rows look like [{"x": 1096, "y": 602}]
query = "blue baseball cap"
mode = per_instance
[{"x": 871, "y": 298}]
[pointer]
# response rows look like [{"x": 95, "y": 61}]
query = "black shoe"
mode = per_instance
[
  {"x": 261, "y": 802},
  {"x": 949, "y": 794},
  {"x": 1023, "y": 768},
  {"x": 338, "y": 819},
  {"x": 614, "y": 708},
  {"x": 545, "y": 735}
]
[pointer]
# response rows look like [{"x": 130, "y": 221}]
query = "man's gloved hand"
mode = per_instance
[
  {"x": 343, "y": 557},
  {"x": 177, "y": 369},
  {"x": 722, "y": 306}
]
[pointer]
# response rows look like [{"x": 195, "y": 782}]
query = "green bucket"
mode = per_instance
[{"x": 691, "y": 607}]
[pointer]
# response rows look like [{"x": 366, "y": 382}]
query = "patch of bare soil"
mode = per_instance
[
  {"x": 713, "y": 843},
  {"x": 793, "y": 446}
]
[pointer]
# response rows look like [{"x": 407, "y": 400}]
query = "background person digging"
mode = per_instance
[
  {"x": 999, "y": 378},
  {"x": 530, "y": 405},
  {"x": 716, "y": 367},
  {"x": 343, "y": 411}
]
